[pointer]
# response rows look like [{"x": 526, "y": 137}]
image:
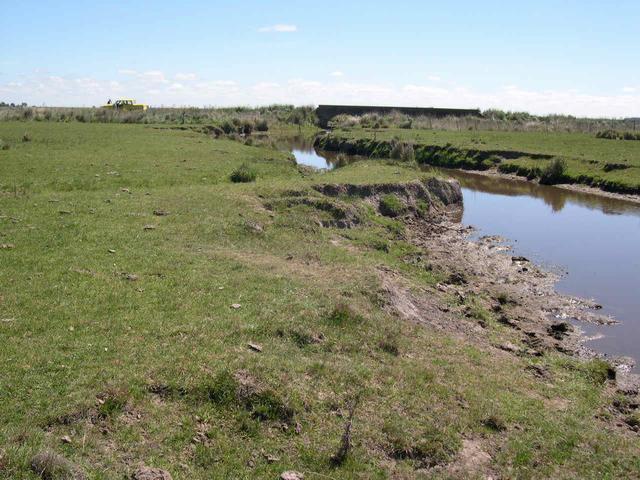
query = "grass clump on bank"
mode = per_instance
[
  {"x": 392, "y": 206},
  {"x": 554, "y": 172},
  {"x": 243, "y": 174},
  {"x": 618, "y": 135}
]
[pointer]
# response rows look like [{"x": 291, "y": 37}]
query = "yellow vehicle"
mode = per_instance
[{"x": 125, "y": 104}]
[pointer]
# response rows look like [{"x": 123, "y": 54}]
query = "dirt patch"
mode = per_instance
[{"x": 472, "y": 460}]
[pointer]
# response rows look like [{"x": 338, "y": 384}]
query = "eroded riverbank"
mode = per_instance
[
  {"x": 501, "y": 302},
  {"x": 587, "y": 238}
]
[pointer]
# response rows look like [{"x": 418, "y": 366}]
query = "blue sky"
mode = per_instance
[{"x": 578, "y": 57}]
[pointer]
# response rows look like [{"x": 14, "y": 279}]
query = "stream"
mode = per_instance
[{"x": 591, "y": 240}]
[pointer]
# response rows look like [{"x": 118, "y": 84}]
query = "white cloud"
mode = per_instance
[
  {"x": 629, "y": 89},
  {"x": 154, "y": 76},
  {"x": 337, "y": 73},
  {"x": 279, "y": 28},
  {"x": 186, "y": 76},
  {"x": 151, "y": 76}
]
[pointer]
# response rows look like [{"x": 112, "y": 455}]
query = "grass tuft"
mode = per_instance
[
  {"x": 243, "y": 174},
  {"x": 392, "y": 206},
  {"x": 344, "y": 315},
  {"x": 554, "y": 172}
]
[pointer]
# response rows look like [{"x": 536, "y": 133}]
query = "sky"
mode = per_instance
[{"x": 563, "y": 56}]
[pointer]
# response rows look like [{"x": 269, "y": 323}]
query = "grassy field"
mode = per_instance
[
  {"x": 126, "y": 332},
  {"x": 612, "y": 165}
]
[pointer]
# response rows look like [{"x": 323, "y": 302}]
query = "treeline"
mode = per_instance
[
  {"x": 232, "y": 118},
  {"x": 236, "y": 119}
]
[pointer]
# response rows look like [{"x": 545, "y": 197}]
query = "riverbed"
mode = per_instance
[{"x": 592, "y": 241}]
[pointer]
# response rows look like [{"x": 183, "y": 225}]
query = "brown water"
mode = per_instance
[{"x": 593, "y": 241}]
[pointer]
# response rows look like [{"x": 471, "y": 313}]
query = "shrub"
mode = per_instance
[
  {"x": 392, "y": 206},
  {"x": 243, "y": 174},
  {"x": 227, "y": 127},
  {"x": 344, "y": 121},
  {"x": 369, "y": 120},
  {"x": 554, "y": 172},
  {"x": 262, "y": 125},
  {"x": 406, "y": 124},
  {"x": 246, "y": 128},
  {"x": 631, "y": 136},
  {"x": 402, "y": 150},
  {"x": 609, "y": 167}
]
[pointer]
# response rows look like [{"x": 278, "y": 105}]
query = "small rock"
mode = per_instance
[
  {"x": 149, "y": 473},
  {"x": 51, "y": 466},
  {"x": 291, "y": 475},
  {"x": 111, "y": 250},
  {"x": 271, "y": 458},
  {"x": 125, "y": 190},
  {"x": 149, "y": 227},
  {"x": 64, "y": 212},
  {"x": 509, "y": 347},
  {"x": 519, "y": 259},
  {"x": 236, "y": 306},
  {"x": 65, "y": 439},
  {"x": 255, "y": 347},
  {"x": 160, "y": 213},
  {"x": 132, "y": 277},
  {"x": 7, "y": 246},
  {"x": 627, "y": 383}
]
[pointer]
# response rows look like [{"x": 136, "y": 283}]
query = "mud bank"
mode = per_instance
[{"x": 491, "y": 161}]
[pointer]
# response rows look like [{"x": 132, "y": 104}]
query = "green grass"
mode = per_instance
[
  {"x": 123, "y": 337},
  {"x": 609, "y": 165}
]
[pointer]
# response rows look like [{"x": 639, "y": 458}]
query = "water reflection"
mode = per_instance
[
  {"x": 305, "y": 153},
  {"x": 555, "y": 197}
]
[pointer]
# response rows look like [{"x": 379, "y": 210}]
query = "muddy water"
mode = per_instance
[{"x": 592, "y": 241}]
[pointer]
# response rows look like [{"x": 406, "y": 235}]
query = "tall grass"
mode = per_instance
[
  {"x": 245, "y": 117},
  {"x": 491, "y": 120}
]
